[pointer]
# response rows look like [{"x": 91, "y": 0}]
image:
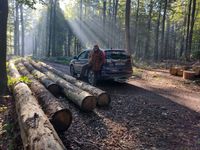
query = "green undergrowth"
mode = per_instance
[{"x": 12, "y": 81}]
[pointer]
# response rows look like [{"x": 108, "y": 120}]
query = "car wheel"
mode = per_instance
[
  {"x": 72, "y": 71},
  {"x": 91, "y": 77}
]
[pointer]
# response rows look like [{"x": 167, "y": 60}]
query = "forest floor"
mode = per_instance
[{"x": 153, "y": 110}]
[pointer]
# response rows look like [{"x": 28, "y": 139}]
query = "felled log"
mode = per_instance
[
  {"x": 54, "y": 108},
  {"x": 179, "y": 72},
  {"x": 49, "y": 84},
  {"x": 173, "y": 71},
  {"x": 83, "y": 99},
  {"x": 35, "y": 128},
  {"x": 196, "y": 69},
  {"x": 188, "y": 75},
  {"x": 103, "y": 99}
]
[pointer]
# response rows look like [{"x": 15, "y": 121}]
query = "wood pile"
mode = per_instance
[
  {"x": 187, "y": 72},
  {"x": 35, "y": 128},
  {"x": 41, "y": 114}
]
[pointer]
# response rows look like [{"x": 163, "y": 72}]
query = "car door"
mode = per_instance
[{"x": 81, "y": 61}]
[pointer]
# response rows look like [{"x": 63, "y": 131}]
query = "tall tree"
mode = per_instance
[
  {"x": 22, "y": 29},
  {"x": 3, "y": 45},
  {"x": 157, "y": 32},
  {"x": 16, "y": 29},
  {"x": 127, "y": 24},
  {"x": 163, "y": 29},
  {"x": 188, "y": 29},
  {"x": 191, "y": 28},
  {"x": 148, "y": 30}
]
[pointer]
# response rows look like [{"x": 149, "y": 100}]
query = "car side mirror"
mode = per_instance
[{"x": 75, "y": 57}]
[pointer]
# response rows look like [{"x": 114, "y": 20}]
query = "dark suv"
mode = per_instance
[{"x": 117, "y": 65}]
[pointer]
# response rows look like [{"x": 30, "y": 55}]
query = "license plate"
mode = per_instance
[{"x": 119, "y": 64}]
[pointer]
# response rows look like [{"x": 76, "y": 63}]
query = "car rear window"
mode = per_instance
[{"x": 113, "y": 54}]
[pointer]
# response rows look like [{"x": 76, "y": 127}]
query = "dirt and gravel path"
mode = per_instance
[{"x": 151, "y": 111}]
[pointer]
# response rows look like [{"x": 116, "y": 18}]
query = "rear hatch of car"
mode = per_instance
[{"x": 117, "y": 62}]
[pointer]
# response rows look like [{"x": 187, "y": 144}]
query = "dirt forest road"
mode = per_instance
[{"x": 151, "y": 111}]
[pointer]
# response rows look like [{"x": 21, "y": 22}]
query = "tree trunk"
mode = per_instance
[
  {"x": 104, "y": 14},
  {"x": 136, "y": 29},
  {"x": 3, "y": 45},
  {"x": 191, "y": 28},
  {"x": 188, "y": 30},
  {"x": 103, "y": 99},
  {"x": 22, "y": 28},
  {"x": 163, "y": 30},
  {"x": 16, "y": 30},
  {"x": 148, "y": 31},
  {"x": 54, "y": 53},
  {"x": 83, "y": 99},
  {"x": 54, "y": 108},
  {"x": 127, "y": 25},
  {"x": 157, "y": 33},
  {"x": 35, "y": 128},
  {"x": 49, "y": 84},
  {"x": 50, "y": 29}
]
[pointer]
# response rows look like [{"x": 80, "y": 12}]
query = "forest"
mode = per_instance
[{"x": 42, "y": 93}]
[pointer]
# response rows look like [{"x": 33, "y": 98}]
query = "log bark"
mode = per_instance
[
  {"x": 103, "y": 99},
  {"x": 83, "y": 99},
  {"x": 48, "y": 83},
  {"x": 188, "y": 75},
  {"x": 35, "y": 128},
  {"x": 54, "y": 108}
]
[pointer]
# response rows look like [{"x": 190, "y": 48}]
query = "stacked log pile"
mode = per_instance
[
  {"x": 35, "y": 128},
  {"x": 103, "y": 99},
  {"x": 55, "y": 109},
  {"x": 187, "y": 72},
  {"x": 38, "y": 128},
  {"x": 83, "y": 99}
]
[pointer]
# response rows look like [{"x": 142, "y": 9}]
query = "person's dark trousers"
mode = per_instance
[{"x": 97, "y": 76}]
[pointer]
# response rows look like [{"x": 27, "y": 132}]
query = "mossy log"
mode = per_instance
[
  {"x": 35, "y": 128},
  {"x": 103, "y": 99},
  {"x": 55, "y": 109}
]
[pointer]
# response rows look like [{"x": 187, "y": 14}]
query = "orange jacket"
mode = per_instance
[{"x": 96, "y": 60}]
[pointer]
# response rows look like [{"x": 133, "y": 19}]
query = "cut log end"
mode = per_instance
[
  {"x": 55, "y": 90},
  {"x": 89, "y": 103},
  {"x": 103, "y": 100},
  {"x": 188, "y": 75},
  {"x": 61, "y": 120},
  {"x": 173, "y": 71}
]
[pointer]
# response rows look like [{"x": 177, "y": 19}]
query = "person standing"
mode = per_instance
[{"x": 96, "y": 61}]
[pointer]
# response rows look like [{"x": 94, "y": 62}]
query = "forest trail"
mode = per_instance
[{"x": 153, "y": 110}]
